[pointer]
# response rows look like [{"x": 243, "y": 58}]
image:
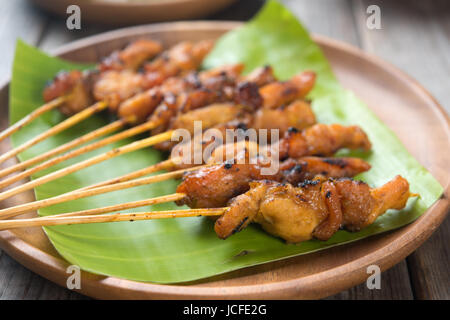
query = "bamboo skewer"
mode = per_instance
[
  {"x": 117, "y": 137},
  {"x": 63, "y": 148},
  {"x": 125, "y": 206},
  {"x": 99, "y": 106},
  {"x": 74, "y": 195},
  {"x": 87, "y": 163},
  {"x": 70, "y": 220},
  {"x": 163, "y": 165},
  {"x": 30, "y": 117}
]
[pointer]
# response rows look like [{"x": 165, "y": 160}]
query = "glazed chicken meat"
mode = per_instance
[
  {"x": 214, "y": 186},
  {"x": 315, "y": 209}
]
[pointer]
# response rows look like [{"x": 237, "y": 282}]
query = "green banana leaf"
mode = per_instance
[{"x": 180, "y": 250}]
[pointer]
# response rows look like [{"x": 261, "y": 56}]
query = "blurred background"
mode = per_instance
[{"x": 414, "y": 35}]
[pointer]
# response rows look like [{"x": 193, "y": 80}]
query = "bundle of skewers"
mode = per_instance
[{"x": 311, "y": 194}]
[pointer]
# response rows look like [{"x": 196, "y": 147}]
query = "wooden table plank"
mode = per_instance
[
  {"x": 429, "y": 266},
  {"x": 415, "y": 36},
  {"x": 333, "y": 19},
  {"x": 17, "y": 282},
  {"x": 395, "y": 285}
]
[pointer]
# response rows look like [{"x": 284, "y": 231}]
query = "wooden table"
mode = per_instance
[{"x": 415, "y": 36}]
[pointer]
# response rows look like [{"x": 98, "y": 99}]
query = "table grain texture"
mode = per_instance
[{"x": 414, "y": 36}]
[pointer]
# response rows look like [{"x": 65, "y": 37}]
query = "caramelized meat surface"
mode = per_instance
[
  {"x": 261, "y": 76},
  {"x": 279, "y": 93},
  {"x": 322, "y": 140},
  {"x": 181, "y": 58},
  {"x": 297, "y": 114},
  {"x": 132, "y": 57},
  {"x": 114, "y": 87},
  {"x": 315, "y": 209},
  {"x": 76, "y": 85},
  {"x": 214, "y": 186}
]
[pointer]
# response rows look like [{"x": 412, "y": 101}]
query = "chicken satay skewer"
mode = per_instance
[
  {"x": 336, "y": 168},
  {"x": 321, "y": 211},
  {"x": 291, "y": 171},
  {"x": 99, "y": 106},
  {"x": 30, "y": 117},
  {"x": 296, "y": 151},
  {"x": 131, "y": 57}
]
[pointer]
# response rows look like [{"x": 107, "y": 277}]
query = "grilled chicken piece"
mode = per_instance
[
  {"x": 322, "y": 140},
  {"x": 232, "y": 71},
  {"x": 76, "y": 85},
  {"x": 116, "y": 79},
  {"x": 297, "y": 114},
  {"x": 190, "y": 92},
  {"x": 261, "y": 76},
  {"x": 209, "y": 116},
  {"x": 137, "y": 108},
  {"x": 247, "y": 94},
  {"x": 318, "y": 140},
  {"x": 80, "y": 84},
  {"x": 181, "y": 58},
  {"x": 132, "y": 57},
  {"x": 279, "y": 93},
  {"x": 214, "y": 186},
  {"x": 117, "y": 86},
  {"x": 315, "y": 209}
]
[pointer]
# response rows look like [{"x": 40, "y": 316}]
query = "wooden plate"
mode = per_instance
[
  {"x": 398, "y": 100},
  {"x": 133, "y": 13}
]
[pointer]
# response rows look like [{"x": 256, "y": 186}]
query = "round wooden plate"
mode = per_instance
[
  {"x": 397, "y": 99},
  {"x": 136, "y": 12}
]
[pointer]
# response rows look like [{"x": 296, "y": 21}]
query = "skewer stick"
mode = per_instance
[
  {"x": 54, "y": 221},
  {"x": 30, "y": 117},
  {"x": 75, "y": 153},
  {"x": 74, "y": 195},
  {"x": 116, "y": 125},
  {"x": 125, "y": 206},
  {"x": 140, "y": 144},
  {"x": 163, "y": 165},
  {"x": 99, "y": 106}
]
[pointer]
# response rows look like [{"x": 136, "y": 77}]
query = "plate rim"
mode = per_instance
[{"x": 348, "y": 274}]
